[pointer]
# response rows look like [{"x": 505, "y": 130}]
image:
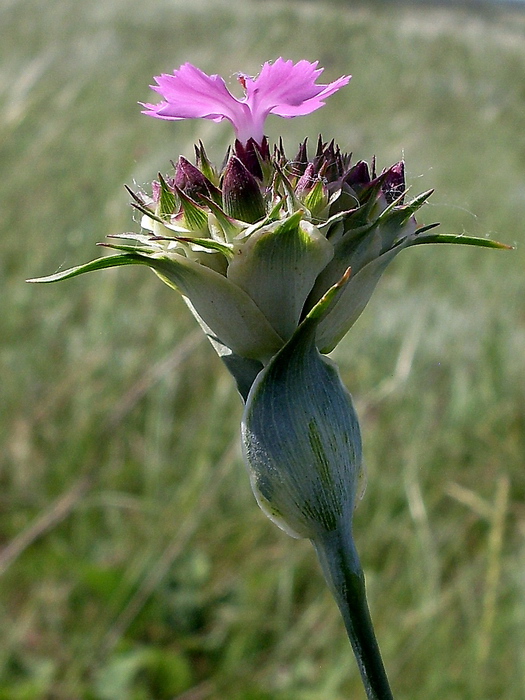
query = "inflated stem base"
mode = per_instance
[
  {"x": 302, "y": 447},
  {"x": 344, "y": 575}
]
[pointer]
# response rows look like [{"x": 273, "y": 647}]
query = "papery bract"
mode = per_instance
[{"x": 284, "y": 88}]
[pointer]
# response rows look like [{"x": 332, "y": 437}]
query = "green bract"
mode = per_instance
[
  {"x": 301, "y": 437},
  {"x": 253, "y": 248}
]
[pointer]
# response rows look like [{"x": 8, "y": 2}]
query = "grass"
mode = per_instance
[{"x": 136, "y": 564}]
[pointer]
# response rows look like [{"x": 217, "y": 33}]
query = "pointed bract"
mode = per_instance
[{"x": 301, "y": 440}]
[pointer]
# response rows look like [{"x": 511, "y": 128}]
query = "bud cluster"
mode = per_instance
[
  {"x": 254, "y": 246},
  {"x": 283, "y": 231}
]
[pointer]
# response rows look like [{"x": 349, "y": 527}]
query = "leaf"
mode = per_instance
[
  {"x": 281, "y": 178},
  {"x": 205, "y": 166},
  {"x": 349, "y": 251},
  {"x": 228, "y": 311},
  {"x": 148, "y": 213},
  {"x": 126, "y": 248},
  {"x": 99, "y": 264},
  {"x": 460, "y": 239},
  {"x": 208, "y": 244},
  {"x": 227, "y": 224},
  {"x": 398, "y": 215}
]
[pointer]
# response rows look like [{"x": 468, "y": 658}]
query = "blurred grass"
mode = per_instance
[{"x": 136, "y": 564}]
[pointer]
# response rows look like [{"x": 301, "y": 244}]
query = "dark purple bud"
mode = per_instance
[
  {"x": 241, "y": 194},
  {"x": 394, "y": 183},
  {"x": 346, "y": 159},
  {"x": 306, "y": 181},
  {"x": 278, "y": 150},
  {"x": 358, "y": 176},
  {"x": 251, "y": 153},
  {"x": 191, "y": 181},
  {"x": 328, "y": 163},
  {"x": 329, "y": 151}
]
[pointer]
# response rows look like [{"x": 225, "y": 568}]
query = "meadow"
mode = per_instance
[{"x": 135, "y": 563}]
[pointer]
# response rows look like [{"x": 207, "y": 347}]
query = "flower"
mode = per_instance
[{"x": 284, "y": 88}]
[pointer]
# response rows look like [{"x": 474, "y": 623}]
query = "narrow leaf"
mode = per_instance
[
  {"x": 99, "y": 264},
  {"x": 208, "y": 244},
  {"x": 460, "y": 239},
  {"x": 398, "y": 215},
  {"x": 125, "y": 248},
  {"x": 138, "y": 199},
  {"x": 147, "y": 212},
  {"x": 226, "y": 223}
]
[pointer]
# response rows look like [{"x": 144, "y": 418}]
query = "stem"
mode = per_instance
[{"x": 343, "y": 573}]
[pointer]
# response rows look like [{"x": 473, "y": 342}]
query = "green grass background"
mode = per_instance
[{"x": 135, "y": 562}]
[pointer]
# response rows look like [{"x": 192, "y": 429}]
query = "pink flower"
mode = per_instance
[{"x": 282, "y": 88}]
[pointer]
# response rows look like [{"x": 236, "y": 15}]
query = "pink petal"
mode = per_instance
[
  {"x": 284, "y": 88},
  {"x": 310, "y": 105},
  {"x": 288, "y": 89},
  {"x": 190, "y": 94}
]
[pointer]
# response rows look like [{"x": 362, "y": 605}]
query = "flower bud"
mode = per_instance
[
  {"x": 191, "y": 181},
  {"x": 241, "y": 194},
  {"x": 299, "y": 164},
  {"x": 307, "y": 181},
  {"x": 312, "y": 191},
  {"x": 252, "y": 154},
  {"x": 394, "y": 182},
  {"x": 358, "y": 176}
]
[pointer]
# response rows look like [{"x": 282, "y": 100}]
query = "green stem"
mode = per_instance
[{"x": 343, "y": 573}]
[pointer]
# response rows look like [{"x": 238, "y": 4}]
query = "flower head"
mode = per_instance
[
  {"x": 254, "y": 252},
  {"x": 284, "y": 88}
]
